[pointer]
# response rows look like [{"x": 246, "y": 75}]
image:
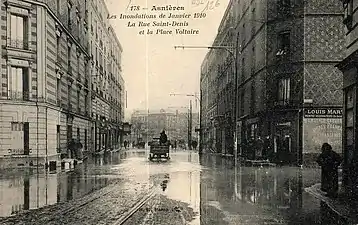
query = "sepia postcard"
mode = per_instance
[{"x": 190, "y": 112}]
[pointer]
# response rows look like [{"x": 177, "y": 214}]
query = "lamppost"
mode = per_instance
[
  {"x": 233, "y": 51},
  {"x": 190, "y": 119}
]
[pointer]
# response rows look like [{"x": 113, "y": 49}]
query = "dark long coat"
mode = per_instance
[{"x": 329, "y": 162}]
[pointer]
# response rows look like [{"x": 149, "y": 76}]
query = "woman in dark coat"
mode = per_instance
[{"x": 329, "y": 162}]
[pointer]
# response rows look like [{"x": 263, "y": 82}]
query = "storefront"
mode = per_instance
[
  {"x": 321, "y": 125},
  {"x": 350, "y": 126}
]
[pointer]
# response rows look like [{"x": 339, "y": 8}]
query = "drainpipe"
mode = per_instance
[
  {"x": 46, "y": 159},
  {"x": 37, "y": 128}
]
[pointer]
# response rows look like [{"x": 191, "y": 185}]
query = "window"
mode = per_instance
[
  {"x": 86, "y": 101},
  {"x": 78, "y": 101},
  {"x": 58, "y": 138},
  {"x": 58, "y": 88},
  {"x": 20, "y": 138},
  {"x": 58, "y": 6},
  {"x": 348, "y": 14},
  {"x": 69, "y": 58},
  {"x": 58, "y": 47},
  {"x": 19, "y": 85},
  {"x": 283, "y": 43},
  {"x": 18, "y": 32},
  {"x": 69, "y": 7},
  {"x": 284, "y": 91},
  {"x": 69, "y": 97},
  {"x": 78, "y": 66},
  {"x": 85, "y": 139}
]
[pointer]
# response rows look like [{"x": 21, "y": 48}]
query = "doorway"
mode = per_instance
[{"x": 283, "y": 143}]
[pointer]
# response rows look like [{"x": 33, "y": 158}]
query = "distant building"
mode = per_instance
[
  {"x": 148, "y": 125},
  {"x": 349, "y": 67}
]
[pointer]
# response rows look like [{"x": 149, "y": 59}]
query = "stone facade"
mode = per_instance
[
  {"x": 217, "y": 89},
  {"x": 107, "y": 82},
  {"x": 46, "y": 81},
  {"x": 287, "y": 53}
]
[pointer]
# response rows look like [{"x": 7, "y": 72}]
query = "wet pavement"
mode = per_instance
[{"x": 188, "y": 190}]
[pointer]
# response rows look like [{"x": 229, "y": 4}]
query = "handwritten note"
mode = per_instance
[{"x": 206, "y": 4}]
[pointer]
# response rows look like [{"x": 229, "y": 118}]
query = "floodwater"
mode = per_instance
[{"x": 216, "y": 190}]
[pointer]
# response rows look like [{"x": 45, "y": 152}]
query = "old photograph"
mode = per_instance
[{"x": 179, "y": 112}]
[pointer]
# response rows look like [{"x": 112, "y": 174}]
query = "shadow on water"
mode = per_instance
[{"x": 253, "y": 195}]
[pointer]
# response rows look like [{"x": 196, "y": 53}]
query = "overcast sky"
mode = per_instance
[{"x": 152, "y": 68}]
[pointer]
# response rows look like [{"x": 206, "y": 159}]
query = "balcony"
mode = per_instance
[
  {"x": 18, "y": 95},
  {"x": 18, "y": 43},
  {"x": 283, "y": 102},
  {"x": 69, "y": 107}
]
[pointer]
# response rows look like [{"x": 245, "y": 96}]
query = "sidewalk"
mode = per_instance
[{"x": 341, "y": 205}]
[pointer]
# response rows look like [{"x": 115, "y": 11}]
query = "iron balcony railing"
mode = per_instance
[
  {"x": 18, "y": 95},
  {"x": 18, "y": 43},
  {"x": 20, "y": 151}
]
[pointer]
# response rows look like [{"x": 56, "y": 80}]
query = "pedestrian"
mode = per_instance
[
  {"x": 329, "y": 161},
  {"x": 72, "y": 148}
]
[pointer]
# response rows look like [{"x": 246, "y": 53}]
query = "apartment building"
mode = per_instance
[
  {"x": 44, "y": 83},
  {"x": 349, "y": 67},
  {"x": 107, "y": 82},
  {"x": 218, "y": 88},
  {"x": 46, "y": 80},
  {"x": 289, "y": 90}
]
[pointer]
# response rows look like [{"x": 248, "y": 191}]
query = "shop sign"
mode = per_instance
[
  {"x": 317, "y": 131},
  {"x": 126, "y": 127},
  {"x": 323, "y": 113}
]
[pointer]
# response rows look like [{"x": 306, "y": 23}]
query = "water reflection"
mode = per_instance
[
  {"x": 29, "y": 189},
  {"x": 258, "y": 195}
]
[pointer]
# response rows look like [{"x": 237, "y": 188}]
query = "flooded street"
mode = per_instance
[{"x": 187, "y": 190}]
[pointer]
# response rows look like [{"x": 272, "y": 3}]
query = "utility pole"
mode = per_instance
[{"x": 190, "y": 124}]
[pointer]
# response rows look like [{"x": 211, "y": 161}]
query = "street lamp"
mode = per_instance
[{"x": 233, "y": 51}]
